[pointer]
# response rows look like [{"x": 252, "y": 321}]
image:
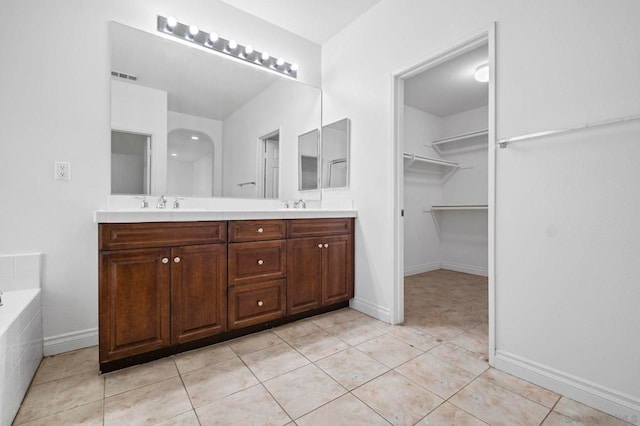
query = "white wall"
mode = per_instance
[
  {"x": 558, "y": 64},
  {"x": 63, "y": 79},
  {"x": 139, "y": 109}
]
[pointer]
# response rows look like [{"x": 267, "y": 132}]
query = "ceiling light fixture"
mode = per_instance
[
  {"x": 193, "y": 34},
  {"x": 482, "y": 73},
  {"x": 195, "y": 138}
]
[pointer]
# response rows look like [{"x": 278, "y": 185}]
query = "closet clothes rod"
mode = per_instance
[{"x": 503, "y": 142}]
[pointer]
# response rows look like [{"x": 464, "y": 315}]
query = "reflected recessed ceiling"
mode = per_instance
[{"x": 315, "y": 20}]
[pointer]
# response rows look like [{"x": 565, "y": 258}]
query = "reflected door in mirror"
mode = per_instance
[
  {"x": 335, "y": 154},
  {"x": 308, "y": 160},
  {"x": 130, "y": 163}
]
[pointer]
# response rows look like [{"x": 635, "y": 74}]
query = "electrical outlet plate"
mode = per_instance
[{"x": 62, "y": 170}]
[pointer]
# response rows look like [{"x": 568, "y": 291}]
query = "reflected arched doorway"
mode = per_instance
[{"x": 190, "y": 162}]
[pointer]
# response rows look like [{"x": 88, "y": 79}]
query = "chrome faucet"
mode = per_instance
[
  {"x": 300, "y": 204},
  {"x": 162, "y": 202},
  {"x": 176, "y": 202},
  {"x": 0, "y": 298},
  {"x": 144, "y": 203}
]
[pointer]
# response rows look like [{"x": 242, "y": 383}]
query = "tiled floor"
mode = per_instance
[{"x": 339, "y": 368}]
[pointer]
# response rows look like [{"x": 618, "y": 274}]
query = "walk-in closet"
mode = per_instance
[{"x": 445, "y": 192}]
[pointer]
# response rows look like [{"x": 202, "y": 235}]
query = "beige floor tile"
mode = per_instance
[
  {"x": 295, "y": 330},
  {"x": 521, "y": 387},
  {"x": 397, "y": 399},
  {"x": 67, "y": 364},
  {"x": 460, "y": 357},
  {"x": 414, "y": 338},
  {"x": 203, "y": 357},
  {"x": 346, "y": 410},
  {"x": 273, "y": 361},
  {"x": 303, "y": 390},
  {"x": 185, "y": 419},
  {"x": 147, "y": 405},
  {"x": 88, "y": 414},
  {"x": 211, "y": 383},
  {"x": 439, "y": 331},
  {"x": 351, "y": 368},
  {"x": 138, "y": 376},
  {"x": 334, "y": 318},
  {"x": 450, "y": 415},
  {"x": 584, "y": 414},
  {"x": 254, "y": 342},
  {"x": 437, "y": 376},
  {"x": 253, "y": 406},
  {"x": 389, "y": 351},
  {"x": 498, "y": 406},
  {"x": 60, "y": 395},
  {"x": 555, "y": 419},
  {"x": 356, "y": 331},
  {"x": 472, "y": 341},
  {"x": 318, "y": 345}
]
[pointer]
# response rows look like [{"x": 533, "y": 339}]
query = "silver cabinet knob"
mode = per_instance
[
  {"x": 260, "y": 261},
  {"x": 260, "y": 303},
  {"x": 319, "y": 245},
  {"x": 165, "y": 260},
  {"x": 176, "y": 259},
  {"x": 260, "y": 230},
  {"x": 326, "y": 245}
]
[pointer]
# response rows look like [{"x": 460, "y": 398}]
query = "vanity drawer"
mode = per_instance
[
  {"x": 319, "y": 227},
  {"x": 256, "y": 303},
  {"x": 257, "y": 261},
  {"x": 118, "y": 236},
  {"x": 256, "y": 230}
]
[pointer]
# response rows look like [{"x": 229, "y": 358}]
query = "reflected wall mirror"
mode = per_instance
[
  {"x": 335, "y": 154},
  {"x": 308, "y": 160},
  {"x": 212, "y": 126}
]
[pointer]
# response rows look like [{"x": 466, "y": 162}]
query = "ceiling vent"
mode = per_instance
[{"x": 124, "y": 76}]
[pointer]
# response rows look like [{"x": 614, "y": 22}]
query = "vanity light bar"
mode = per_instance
[{"x": 169, "y": 25}]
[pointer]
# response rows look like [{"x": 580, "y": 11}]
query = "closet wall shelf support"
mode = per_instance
[
  {"x": 415, "y": 161},
  {"x": 461, "y": 142}
]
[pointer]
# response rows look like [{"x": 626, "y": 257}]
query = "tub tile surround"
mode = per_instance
[
  {"x": 20, "y": 329},
  {"x": 246, "y": 381}
]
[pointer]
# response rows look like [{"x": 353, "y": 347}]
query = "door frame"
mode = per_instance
[
  {"x": 488, "y": 37},
  {"x": 262, "y": 141}
]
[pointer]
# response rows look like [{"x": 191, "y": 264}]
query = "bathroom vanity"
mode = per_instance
[{"x": 167, "y": 287}]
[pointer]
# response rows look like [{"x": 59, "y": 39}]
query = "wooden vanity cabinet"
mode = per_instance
[
  {"x": 161, "y": 284},
  {"x": 319, "y": 263}
]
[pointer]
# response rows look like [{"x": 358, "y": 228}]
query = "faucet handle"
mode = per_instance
[
  {"x": 176, "y": 202},
  {"x": 144, "y": 203},
  {"x": 162, "y": 202}
]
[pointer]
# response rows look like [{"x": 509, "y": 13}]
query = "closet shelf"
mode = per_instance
[
  {"x": 414, "y": 161},
  {"x": 462, "y": 142},
  {"x": 459, "y": 207}
]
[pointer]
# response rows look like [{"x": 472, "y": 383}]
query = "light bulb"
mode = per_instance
[
  {"x": 482, "y": 73},
  {"x": 248, "y": 49},
  {"x": 294, "y": 67},
  {"x": 171, "y": 22},
  {"x": 233, "y": 44},
  {"x": 193, "y": 30},
  {"x": 213, "y": 37},
  {"x": 264, "y": 56},
  {"x": 280, "y": 62},
  {"x": 173, "y": 154}
]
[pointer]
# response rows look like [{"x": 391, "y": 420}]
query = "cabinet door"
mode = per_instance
[
  {"x": 337, "y": 269},
  {"x": 304, "y": 269},
  {"x": 198, "y": 292},
  {"x": 134, "y": 302}
]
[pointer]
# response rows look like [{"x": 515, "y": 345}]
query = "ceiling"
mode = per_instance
[
  {"x": 315, "y": 20},
  {"x": 449, "y": 88}
]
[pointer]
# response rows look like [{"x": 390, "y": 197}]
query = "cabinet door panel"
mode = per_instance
[
  {"x": 304, "y": 269},
  {"x": 337, "y": 269},
  {"x": 198, "y": 292},
  {"x": 134, "y": 302}
]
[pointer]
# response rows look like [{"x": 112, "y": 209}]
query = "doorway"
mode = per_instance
[
  {"x": 269, "y": 173},
  {"x": 444, "y": 191},
  {"x": 130, "y": 163}
]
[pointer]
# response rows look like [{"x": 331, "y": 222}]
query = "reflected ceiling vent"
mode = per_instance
[{"x": 124, "y": 76}]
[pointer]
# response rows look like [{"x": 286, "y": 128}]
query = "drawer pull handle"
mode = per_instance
[
  {"x": 260, "y": 230},
  {"x": 326, "y": 245},
  {"x": 319, "y": 245},
  {"x": 176, "y": 259},
  {"x": 165, "y": 260},
  {"x": 260, "y": 303},
  {"x": 260, "y": 261}
]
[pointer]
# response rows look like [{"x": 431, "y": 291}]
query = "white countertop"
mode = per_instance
[{"x": 194, "y": 215}]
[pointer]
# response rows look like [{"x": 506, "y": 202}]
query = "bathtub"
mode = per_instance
[{"x": 20, "y": 344}]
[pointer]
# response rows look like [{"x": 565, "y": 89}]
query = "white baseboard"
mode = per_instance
[
  {"x": 608, "y": 400},
  {"x": 467, "y": 269},
  {"x": 419, "y": 269},
  {"x": 376, "y": 311},
  {"x": 70, "y": 341}
]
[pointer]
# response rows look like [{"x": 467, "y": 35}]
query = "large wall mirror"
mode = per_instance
[
  {"x": 335, "y": 154},
  {"x": 189, "y": 122}
]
